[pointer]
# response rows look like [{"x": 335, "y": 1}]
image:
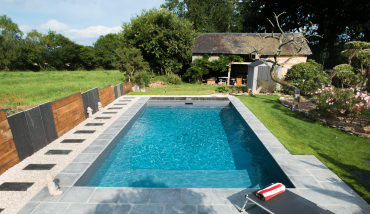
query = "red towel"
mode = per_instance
[{"x": 270, "y": 191}]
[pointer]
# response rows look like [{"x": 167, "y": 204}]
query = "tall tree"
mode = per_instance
[
  {"x": 104, "y": 50},
  {"x": 10, "y": 42},
  {"x": 208, "y": 16},
  {"x": 33, "y": 49},
  {"x": 129, "y": 60},
  {"x": 165, "y": 40},
  {"x": 339, "y": 22}
]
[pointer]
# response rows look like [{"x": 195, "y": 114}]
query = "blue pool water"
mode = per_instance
[{"x": 188, "y": 147}]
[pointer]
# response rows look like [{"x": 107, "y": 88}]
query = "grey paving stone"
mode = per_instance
[
  {"x": 350, "y": 201},
  {"x": 93, "y": 150},
  {"x": 254, "y": 210},
  {"x": 82, "y": 208},
  {"x": 106, "y": 195},
  {"x": 105, "y": 136},
  {"x": 94, "y": 124},
  {"x": 166, "y": 196},
  {"x": 28, "y": 208},
  {"x": 112, "y": 131},
  {"x": 278, "y": 151},
  {"x": 44, "y": 196},
  {"x": 109, "y": 112},
  {"x": 78, "y": 194},
  {"x": 75, "y": 168},
  {"x": 318, "y": 196},
  {"x": 338, "y": 189},
  {"x": 214, "y": 209},
  {"x": 196, "y": 196},
  {"x": 227, "y": 196},
  {"x": 100, "y": 142},
  {"x": 344, "y": 209},
  {"x": 180, "y": 209},
  {"x": 54, "y": 208},
  {"x": 304, "y": 157},
  {"x": 147, "y": 209},
  {"x": 114, "y": 209},
  {"x": 305, "y": 182},
  {"x": 117, "y": 126},
  {"x": 294, "y": 190},
  {"x": 272, "y": 144},
  {"x": 66, "y": 179},
  {"x": 285, "y": 159},
  {"x": 85, "y": 158},
  {"x": 365, "y": 209},
  {"x": 296, "y": 170},
  {"x": 325, "y": 175},
  {"x": 102, "y": 118},
  {"x": 135, "y": 196},
  {"x": 313, "y": 164}
]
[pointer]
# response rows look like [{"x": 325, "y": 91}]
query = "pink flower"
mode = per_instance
[
  {"x": 347, "y": 102},
  {"x": 342, "y": 111}
]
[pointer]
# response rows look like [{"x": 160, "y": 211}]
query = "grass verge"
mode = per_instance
[
  {"x": 42, "y": 87},
  {"x": 339, "y": 151}
]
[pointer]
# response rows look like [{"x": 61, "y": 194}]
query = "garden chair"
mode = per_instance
[{"x": 285, "y": 203}]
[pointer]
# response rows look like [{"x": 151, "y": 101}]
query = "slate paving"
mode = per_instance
[
  {"x": 312, "y": 179},
  {"x": 102, "y": 118},
  {"x": 39, "y": 166},
  {"x": 73, "y": 141},
  {"x": 15, "y": 186},
  {"x": 94, "y": 124},
  {"x": 58, "y": 152},
  {"x": 84, "y": 132}
]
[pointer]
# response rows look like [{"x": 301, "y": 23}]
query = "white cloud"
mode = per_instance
[
  {"x": 54, "y": 25},
  {"x": 25, "y": 28},
  {"x": 93, "y": 31}
]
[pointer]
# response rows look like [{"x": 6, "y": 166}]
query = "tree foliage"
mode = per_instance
[
  {"x": 307, "y": 76},
  {"x": 130, "y": 61},
  {"x": 203, "y": 66},
  {"x": 105, "y": 49},
  {"x": 208, "y": 16},
  {"x": 164, "y": 39},
  {"x": 10, "y": 42}
]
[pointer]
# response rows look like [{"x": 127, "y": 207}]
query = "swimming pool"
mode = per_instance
[{"x": 186, "y": 146}]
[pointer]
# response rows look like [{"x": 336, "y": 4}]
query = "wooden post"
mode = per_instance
[{"x": 228, "y": 74}]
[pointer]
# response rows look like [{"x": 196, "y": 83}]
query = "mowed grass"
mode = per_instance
[
  {"x": 182, "y": 89},
  {"x": 42, "y": 87},
  {"x": 339, "y": 151}
]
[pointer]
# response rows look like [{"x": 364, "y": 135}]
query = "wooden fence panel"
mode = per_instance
[
  {"x": 106, "y": 95},
  {"x": 68, "y": 112},
  {"x": 127, "y": 88},
  {"x": 8, "y": 152}
]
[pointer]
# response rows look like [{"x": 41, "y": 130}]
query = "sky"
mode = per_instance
[{"x": 82, "y": 21}]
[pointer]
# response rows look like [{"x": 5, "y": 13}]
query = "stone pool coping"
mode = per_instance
[{"x": 313, "y": 180}]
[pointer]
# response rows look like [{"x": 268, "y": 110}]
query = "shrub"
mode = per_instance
[
  {"x": 267, "y": 87},
  {"x": 347, "y": 75},
  {"x": 344, "y": 103},
  {"x": 173, "y": 79},
  {"x": 222, "y": 89},
  {"x": 306, "y": 76}
]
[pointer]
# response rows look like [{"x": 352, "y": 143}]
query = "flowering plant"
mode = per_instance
[{"x": 346, "y": 103}]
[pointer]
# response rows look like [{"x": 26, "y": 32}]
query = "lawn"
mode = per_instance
[
  {"x": 42, "y": 87},
  {"x": 182, "y": 89},
  {"x": 339, "y": 151}
]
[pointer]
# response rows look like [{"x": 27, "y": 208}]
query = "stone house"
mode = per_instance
[{"x": 216, "y": 44}]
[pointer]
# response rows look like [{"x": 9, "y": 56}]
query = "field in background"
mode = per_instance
[{"x": 42, "y": 87}]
